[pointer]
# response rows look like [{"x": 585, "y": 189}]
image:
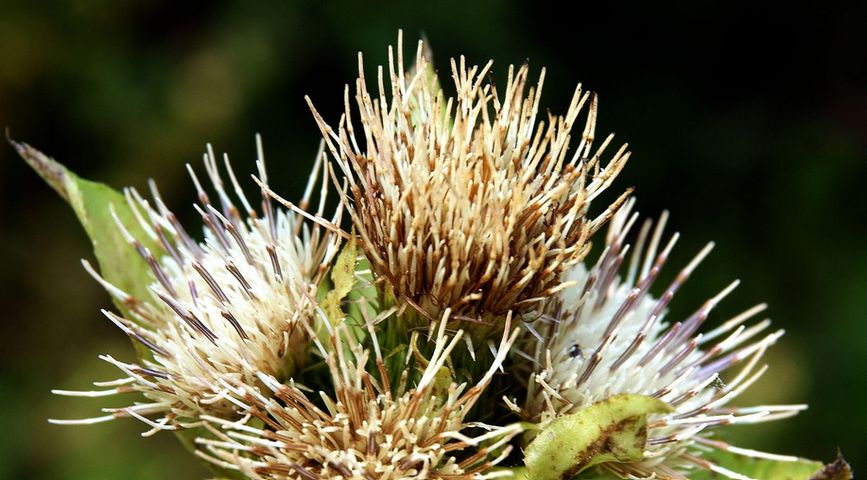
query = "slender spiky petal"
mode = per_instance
[
  {"x": 368, "y": 429},
  {"x": 224, "y": 310},
  {"x": 608, "y": 335},
  {"x": 470, "y": 203}
]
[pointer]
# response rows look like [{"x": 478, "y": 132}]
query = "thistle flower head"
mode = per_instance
[
  {"x": 608, "y": 335},
  {"x": 369, "y": 429},
  {"x": 470, "y": 203},
  {"x": 222, "y": 310}
]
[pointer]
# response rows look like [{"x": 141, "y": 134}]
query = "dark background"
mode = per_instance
[{"x": 748, "y": 123}]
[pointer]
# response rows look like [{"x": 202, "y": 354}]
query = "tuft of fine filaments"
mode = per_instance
[
  {"x": 609, "y": 335},
  {"x": 368, "y": 429},
  {"x": 222, "y": 311},
  {"x": 471, "y": 203}
]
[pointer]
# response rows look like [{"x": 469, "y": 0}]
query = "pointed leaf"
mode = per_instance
[
  {"x": 613, "y": 430},
  {"x": 92, "y": 202},
  {"x": 119, "y": 263}
]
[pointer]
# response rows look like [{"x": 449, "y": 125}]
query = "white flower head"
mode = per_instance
[
  {"x": 223, "y": 310},
  {"x": 369, "y": 429},
  {"x": 471, "y": 203},
  {"x": 609, "y": 335}
]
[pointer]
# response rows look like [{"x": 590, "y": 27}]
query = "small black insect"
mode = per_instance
[{"x": 575, "y": 351}]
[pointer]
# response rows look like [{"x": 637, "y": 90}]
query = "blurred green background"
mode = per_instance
[{"x": 749, "y": 124}]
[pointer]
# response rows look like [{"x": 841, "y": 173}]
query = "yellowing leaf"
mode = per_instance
[
  {"x": 613, "y": 430},
  {"x": 363, "y": 299},
  {"x": 342, "y": 278}
]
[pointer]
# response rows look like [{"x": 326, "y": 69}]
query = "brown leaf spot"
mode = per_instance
[{"x": 839, "y": 469}]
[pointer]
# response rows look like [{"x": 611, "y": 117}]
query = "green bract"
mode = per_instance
[
  {"x": 343, "y": 279},
  {"x": 613, "y": 430},
  {"x": 93, "y": 204}
]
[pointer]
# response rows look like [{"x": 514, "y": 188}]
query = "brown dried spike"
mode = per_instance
[
  {"x": 363, "y": 431},
  {"x": 482, "y": 214}
]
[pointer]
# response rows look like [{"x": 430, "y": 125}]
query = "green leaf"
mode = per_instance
[
  {"x": 762, "y": 469},
  {"x": 363, "y": 299},
  {"x": 119, "y": 263},
  {"x": 613, "y": 430},
  {"x": 342, "y": 278},
  {"x": 92, "y": 202}
]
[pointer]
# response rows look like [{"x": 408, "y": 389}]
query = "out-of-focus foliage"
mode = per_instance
[{"x": 751, "y": 129}]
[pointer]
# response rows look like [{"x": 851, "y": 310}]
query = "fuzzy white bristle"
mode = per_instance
[
  {"x": 608, "y": 335},
  {"x": 223, "y": 310}
]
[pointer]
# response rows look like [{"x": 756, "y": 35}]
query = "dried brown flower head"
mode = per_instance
[
  {"x": 368, "y": 429},
  {"x": 469, "y": 203}
]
